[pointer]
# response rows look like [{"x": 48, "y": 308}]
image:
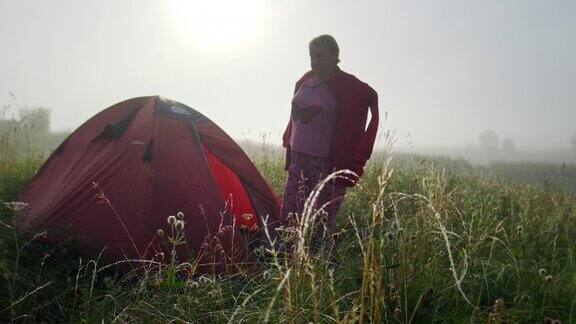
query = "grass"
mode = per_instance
[
  {"x": 510, "y": 244},
  {"x": 417, "y": 243}
]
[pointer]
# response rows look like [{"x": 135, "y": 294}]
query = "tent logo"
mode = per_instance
[{"x": 180, "y": 110}]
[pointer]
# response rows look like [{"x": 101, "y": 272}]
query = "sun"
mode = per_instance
[{"x": 213, "y": 24}]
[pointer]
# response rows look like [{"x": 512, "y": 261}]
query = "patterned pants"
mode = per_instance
[{"x": 304, "y": 173}]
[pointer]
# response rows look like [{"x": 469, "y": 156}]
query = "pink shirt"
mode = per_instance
[{"x": 314, "y": 118}]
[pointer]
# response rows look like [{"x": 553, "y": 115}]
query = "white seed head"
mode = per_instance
[
  {"x": 542, "y": 272},
  {"x": 171, "y": 220},
  {"x": 266, "y": 275},
  {"x": 180, "y": 215},
  {"x": 16, "y": 205}
]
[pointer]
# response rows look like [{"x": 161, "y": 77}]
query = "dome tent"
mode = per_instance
[{"x": 111, "y": 185}]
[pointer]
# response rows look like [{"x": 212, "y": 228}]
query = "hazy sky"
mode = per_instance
[{"x": 444, "y": 70}]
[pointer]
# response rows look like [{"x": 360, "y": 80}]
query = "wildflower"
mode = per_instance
[
  {"x": 542, "y": 272},
  {"x": 160, "y": 233},
  {"x": 44, "y": 257},
  {"x": 266, "y": 275},
  {"x": 108, "y": 282},
  {"x": 42, "y": 234},
  {"x": 171, "y": 220},
  {"x": 180, "y": 215},
  {"x": 204, "y": 280},
  {"x": 499, "y": 311},
  {"x": 397, "y": 312},
  {"x": 550, "y": 320},
  {"x": 247, "y": 216},
  {"x": 259, "y": 251},
  {"x": 549, "y": 278},
  {"x": 100, "y": 198},
  {"x": 179, "y": 225},
  {"x": 16, "y": 205}
]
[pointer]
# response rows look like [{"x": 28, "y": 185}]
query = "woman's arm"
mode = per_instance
[{"x": 366, "y": 144}]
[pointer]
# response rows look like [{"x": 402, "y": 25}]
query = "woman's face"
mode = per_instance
[{"x": 321, "y": 60}]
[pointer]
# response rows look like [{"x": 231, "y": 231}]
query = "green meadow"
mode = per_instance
[{"x": 421, "y": 239}]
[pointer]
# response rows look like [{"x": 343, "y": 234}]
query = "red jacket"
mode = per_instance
[{"x": 353, "y": 142}]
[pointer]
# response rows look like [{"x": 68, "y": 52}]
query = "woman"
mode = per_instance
[{"x": 326, "y": 133}]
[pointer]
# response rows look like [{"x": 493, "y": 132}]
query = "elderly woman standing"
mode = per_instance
[{"x": 327, "y": 132}]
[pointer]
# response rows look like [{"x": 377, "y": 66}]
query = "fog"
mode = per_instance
[{"x": 445, "y": 71}]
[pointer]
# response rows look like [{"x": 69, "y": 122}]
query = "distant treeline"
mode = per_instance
[
  {"x": 541, "y": 174},
  {"x": 28, "y": 133}
]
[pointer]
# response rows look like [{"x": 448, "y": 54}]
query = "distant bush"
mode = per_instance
[
  {"x": 28, "y": 134},
  {"x": 508, "y": 146},
  {"x": 489, "y": 141}
]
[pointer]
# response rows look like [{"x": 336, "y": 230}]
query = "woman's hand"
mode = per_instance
[{"x": 350, "y": 180}]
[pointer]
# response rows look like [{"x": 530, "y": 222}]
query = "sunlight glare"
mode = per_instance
[{"x": 213, "y": 24}]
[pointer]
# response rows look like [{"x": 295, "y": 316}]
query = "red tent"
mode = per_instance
[{"x": 111, "y": 185}]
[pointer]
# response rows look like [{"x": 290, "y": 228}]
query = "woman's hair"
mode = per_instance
[{"x": 327, "y": 42}]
